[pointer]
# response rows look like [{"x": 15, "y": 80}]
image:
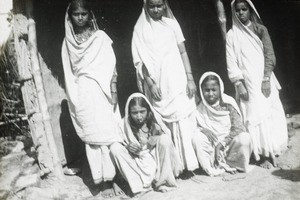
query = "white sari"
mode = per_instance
[
  {"x": 88, "y": 69},
  {"x": 159, "y": 165},
  {"x": 236, "y": 154},
  {"x": 264, "y": 117},
  {"x": 155, "y": 45}
]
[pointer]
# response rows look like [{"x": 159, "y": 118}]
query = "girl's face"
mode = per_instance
[
  {"x": 138, "y": 114},
  {"x": 80, "y": 17},
  {"x": 155, "y": 8},
  {"x": 242, "y": 12},
  {"x": 211, "y": 91}
]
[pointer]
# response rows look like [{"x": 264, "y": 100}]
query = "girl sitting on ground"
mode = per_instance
[{"x": 147, "y": 155}]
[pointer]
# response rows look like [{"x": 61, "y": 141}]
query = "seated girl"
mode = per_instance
[
  {"x": 222, "y": 143},
  {"x": 147, "y": 155}
]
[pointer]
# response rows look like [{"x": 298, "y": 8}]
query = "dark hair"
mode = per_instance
[
  {"x": 210, "y": 78},
  {"x": 79, "y": 3},
  {"x": 141, "y": 102}
]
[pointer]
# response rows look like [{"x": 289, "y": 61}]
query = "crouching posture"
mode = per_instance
[
  {"x": 222, "y": 143},
  {"x": 147, "y": 155}
]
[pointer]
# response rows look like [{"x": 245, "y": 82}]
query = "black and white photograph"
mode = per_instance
[{"x": 149, "y": 99}]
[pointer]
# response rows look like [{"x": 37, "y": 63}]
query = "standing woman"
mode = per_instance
[
  {"x": 250, "y": 64},
  {"x": 164, "y": 74},
  {"x": 90, "y": 78}
]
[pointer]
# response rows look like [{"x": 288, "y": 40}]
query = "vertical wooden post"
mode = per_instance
[{"x": 37, "y": 76}]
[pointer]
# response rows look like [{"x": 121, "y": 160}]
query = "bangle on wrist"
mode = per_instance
[
  {"x": 114, "y": 92},
  {"x": 237, "y": 83},
  {"x": 266, "y": 78}
]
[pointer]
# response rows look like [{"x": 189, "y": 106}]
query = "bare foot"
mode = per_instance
[
  {"x": 273, "y": 160},
  {"x": 164, "y": 189},
  {"x": 118, "y": 190},
  {"x": 140, "y": 194},
  {"x": 107, "y": 190},
  {"x": 266, "y": 164}
]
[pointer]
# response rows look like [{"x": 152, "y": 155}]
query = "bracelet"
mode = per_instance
[
  {"x": 237, "y": 83},
  {"x": 190, "y": 80},
  {"x": 113, "y": 91},
  {"x": 266, "y": 78}
]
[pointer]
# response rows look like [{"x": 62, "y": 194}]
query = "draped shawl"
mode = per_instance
[
  {"x": 245, "y": 60},
  {"x": 155, "y": 45},
  {"x": 94, "y": 60},
  {"x": 208, "y": 117}
]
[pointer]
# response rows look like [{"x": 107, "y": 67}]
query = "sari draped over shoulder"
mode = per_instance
[
  {"x": 155, "y": 46},
  {"x": 88, "y": 69},
  {"x": 159, "y": 165},
  {"x": 218, "y": 122},
  {"x": 246, "y": 60}
]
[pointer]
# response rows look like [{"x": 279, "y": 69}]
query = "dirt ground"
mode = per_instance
[{"x": 277, "y": 183}]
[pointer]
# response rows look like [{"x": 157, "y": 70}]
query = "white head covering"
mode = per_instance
[
  {"x": 225, "y": 98},
  {"x": 209, "y": 118},
  {"x": 94, "y": 59},
  {"x": 127, "y": 129},
  {"x": 254, "y": 15},
  {"x": 143, "y": 40}
]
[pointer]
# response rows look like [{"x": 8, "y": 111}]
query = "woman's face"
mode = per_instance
[
  {"x": 242, "y": 12},
  {"x": 80, "y": 17},
  {"x": 155, "y": 8},
  {"x": 211, "y": 91},
  {"x": 138, "y": 114}
]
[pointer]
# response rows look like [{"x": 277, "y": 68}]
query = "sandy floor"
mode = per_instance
[{"x": 277, "y": 183}]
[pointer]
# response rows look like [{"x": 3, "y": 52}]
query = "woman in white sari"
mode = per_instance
[
  {"x": 164, "y": 74},
  {"x": 147, "y": 155},
  {"x": 250, "y": 64},
  {"x": 90, "y": 78},
  {"x": 222, "y": 143}
]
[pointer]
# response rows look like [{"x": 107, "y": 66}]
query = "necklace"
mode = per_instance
[{"x": 86, "y": 34}]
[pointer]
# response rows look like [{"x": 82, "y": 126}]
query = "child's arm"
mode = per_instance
[{"x": 237, "y": 125}]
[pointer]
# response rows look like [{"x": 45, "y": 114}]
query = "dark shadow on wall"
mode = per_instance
[{"x": 73, "y": 146}]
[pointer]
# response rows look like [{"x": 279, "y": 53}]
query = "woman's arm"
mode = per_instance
[
  {"x": 191, "y": 87},
  {"x": 113, "y": 88},
  {"x": 155, "y": 91},
  {"x": 270, "y": 59},
  {"x": 234, "y": 72},
  {"x": 237, "y": 125}
]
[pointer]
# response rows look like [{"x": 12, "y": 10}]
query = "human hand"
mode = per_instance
[
  {"x": 191, "y": 88},
  {"x": 242, "y": 92},
  {"x": 266, "y": 88},
  {"x": 155, "y": 91},
  {"x": 134, "y": 148}
]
